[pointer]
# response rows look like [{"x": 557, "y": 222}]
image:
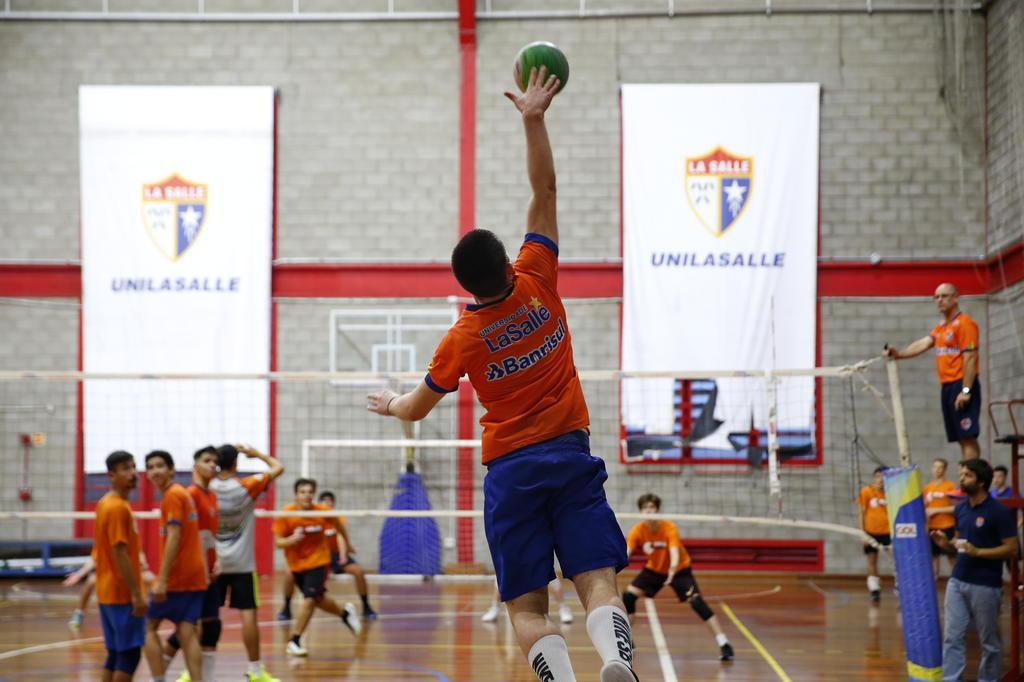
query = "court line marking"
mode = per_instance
[
  {"x": 668, "y": 672},
  {"x": 844, "y": 597},
  {"x": 745, "y": 595},
  {"x": 48, "y": 647},
  {"x": 757, "y": 645}
]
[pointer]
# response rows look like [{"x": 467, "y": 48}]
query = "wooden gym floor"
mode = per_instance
[{"x": 782, "y": 627}]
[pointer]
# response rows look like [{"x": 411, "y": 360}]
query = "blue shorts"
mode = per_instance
[
  {"x": 963, "y": 423},
  {"x": 121, "y": 630},
  {"x": 548, "y": 499},
  {"x": 179, "y": 607}
]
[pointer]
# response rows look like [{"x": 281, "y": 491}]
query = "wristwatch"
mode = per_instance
[{"x": 966, "y": 390}]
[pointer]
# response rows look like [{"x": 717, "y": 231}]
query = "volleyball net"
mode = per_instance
[{"x": 760, "y": 469}]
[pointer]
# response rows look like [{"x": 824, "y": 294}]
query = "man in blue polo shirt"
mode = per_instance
[{"x": 985, "y": 537}]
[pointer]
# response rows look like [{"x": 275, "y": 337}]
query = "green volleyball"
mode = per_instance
[{"x": 540, "y": 54}]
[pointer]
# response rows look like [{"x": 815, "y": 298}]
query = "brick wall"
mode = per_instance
[{"x": 368, "y": 171}]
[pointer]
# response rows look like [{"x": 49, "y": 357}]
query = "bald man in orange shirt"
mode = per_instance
[{"x": 955, "y": 341}]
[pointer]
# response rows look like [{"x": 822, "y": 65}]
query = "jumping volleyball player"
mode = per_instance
[{"x": 544, "y": 491}]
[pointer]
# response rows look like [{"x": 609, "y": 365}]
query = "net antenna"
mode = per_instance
[{"x": 772, "y": 400}]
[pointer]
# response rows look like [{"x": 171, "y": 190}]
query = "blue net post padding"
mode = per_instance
[
  {"x": 911, "y": 549},
  {"x": 410, "y": 545}
]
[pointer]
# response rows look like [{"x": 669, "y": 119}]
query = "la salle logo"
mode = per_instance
[
  {"x": 718, "y": 188},
  {"x": 173, "y": 211}
]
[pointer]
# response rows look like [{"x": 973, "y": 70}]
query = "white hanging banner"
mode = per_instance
[
  {"x": 720, "y": 242},
  {"x": 177, "y": 220}
]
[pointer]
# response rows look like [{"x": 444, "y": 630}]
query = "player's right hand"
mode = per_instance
[
  {"x": 159, "y": 592},
  {"x": 72, "y": 579},
  {"x": 138, "y": 605},
  {"x": 247, "y": 450},
  {"x": 891, "y": 352},
  {"x": 940, "y": 539},
  {"x": 539, "y": 92}
]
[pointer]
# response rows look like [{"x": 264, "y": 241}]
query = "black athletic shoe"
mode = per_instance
[
  {"x": 876, "y": 596},
  {"x": 285, "y": 614},
  {"x": 369, "y": 614},
  {"x": 725, "y": 652}
]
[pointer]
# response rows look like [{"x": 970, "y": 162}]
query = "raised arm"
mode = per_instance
[
  {"x": 274, "y": 466},
  {"x": 911, "y": 351},
  {"x": 541, "y": 215}
]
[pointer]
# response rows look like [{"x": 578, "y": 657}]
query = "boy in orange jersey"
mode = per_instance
[
  {"x": 309, "y": 559},
  {"x": 340, "y": 563},
  {"x": 543, "y": 486},
  {"x": 204, "y": 469},
  {"x": 939, "y": 502},
  {"x": 668, "y": 563},
  {"x": 118, "y": 573},
  {"x": 874, "y": 519},
  {"x": 955, "y": 341},
  {"x": 181, "y": 583}
]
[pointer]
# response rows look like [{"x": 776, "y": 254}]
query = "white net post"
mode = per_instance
[{"x": 897, "y": 412}]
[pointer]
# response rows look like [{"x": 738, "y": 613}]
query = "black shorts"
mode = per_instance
[
  {"x": 948, "y": 532},
  {"x": 683, "y": 582},
  {"x": 338, "y": 565},
  {"x": 242, "y": 586},
  {"x": 963, "y": 423},
  {"x": 312, "y": 583},
  {"x": 211, "y": 601},
  {"x": 884, "y": 540}
]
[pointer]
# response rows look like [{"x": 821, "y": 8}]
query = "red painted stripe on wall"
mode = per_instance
[{"x": 576, "y": 280}]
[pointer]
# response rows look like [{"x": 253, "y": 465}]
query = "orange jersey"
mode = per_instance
[
  {"x": 188, "y": 573},
  {"x": 876, "y": 518},
  {"x": 937, "y": 494},
  {"x": 115, "y": 525},
  {"x": 655, "y": 544},
  {"x": 952, "y": 340},
  {"x": 206, "y": 509},
  {"x": 518, "y": 355},
  {"x": 314, "y": 549}
]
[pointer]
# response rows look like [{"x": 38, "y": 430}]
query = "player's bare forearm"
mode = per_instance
[
  {"x": 170, "y": 551},
  {"x": 124, "y": 568},
  {"x": 274, "y": 466},
  {"x": 542, "y": 215},
  {"x": 912, "y": 350},
  {"x": 1007, "y": 550},
  {"x": 411, "y": 407},
  {"x": 970, "y": 368}
]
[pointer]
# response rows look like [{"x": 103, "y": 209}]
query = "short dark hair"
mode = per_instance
[
  {"x": 479, "y": 263},
  {"x": 324, "y": 495},
  {"x": 161, "y": 454},
  {"x": 303, "y": 481},
  {"x": 118, "y": 457},
  {"x": 981, "y": 469},
  {"x": 1000, "y": 468},
  {"x": 648, "y": 498},
  {"x": 943, "y": 460},
  {"x": 227, "y": 457},
  {"x": 203, "y": 450},
  {"x": 879, "y": 470}
]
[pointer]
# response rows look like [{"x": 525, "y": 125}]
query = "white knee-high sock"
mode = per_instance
[
  {"x": 549, "y": 658},
  {"x": 608, "y": 627},
  {"x": 209, "y": 660}
]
